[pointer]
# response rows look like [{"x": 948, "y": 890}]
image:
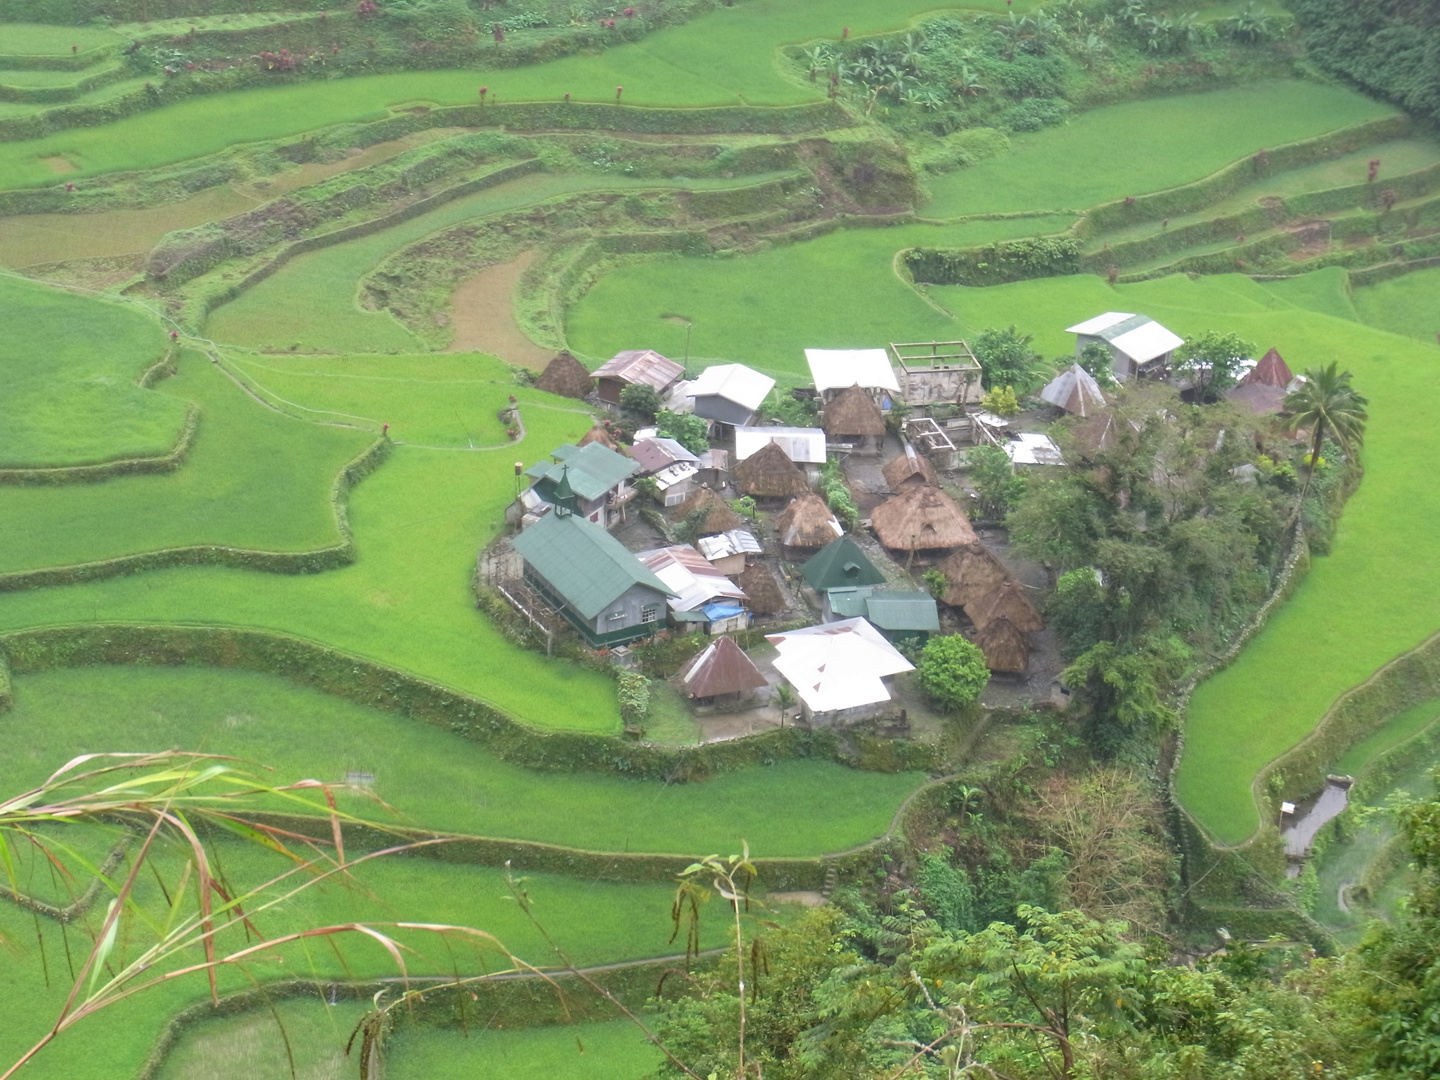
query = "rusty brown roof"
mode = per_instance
[{"x": 720, "y": 668}]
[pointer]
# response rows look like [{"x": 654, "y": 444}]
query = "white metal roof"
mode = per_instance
[
  {"x": 1147, "y": 342},
  {"x": 804, "y": 446},
  {"x": 734, "y": 382},
  {"x": 671, "y": 475},
  {"x": 838, "y": 665},
  {"x": 723, "y": 545},
  {"x": 689, "y": 575},
  {"x": 1100, "y": 322},
  {"x": 1030, "y": 449},
  {"x": 835, "y": 369}
]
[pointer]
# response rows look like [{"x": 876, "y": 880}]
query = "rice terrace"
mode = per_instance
[{"x": 968, "y": 463}]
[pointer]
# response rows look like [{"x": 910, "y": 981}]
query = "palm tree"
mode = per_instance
[{"x": 1326, "y": 402}]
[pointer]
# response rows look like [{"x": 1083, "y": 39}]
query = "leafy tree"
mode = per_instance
[
  {"x": 689, "y": 430},
  {"x": 1006, "y": 358},
  {"x": 996, "y": 482},
  {"x": 1077, "y": 609},
  {"x": 788, "y": 409},
  {"x": 1095, "y": 358},
  {"x": 1327, "y": 404},
  {"x": 1001, "y": 401},
  {"x": 1123, "y": 690},
  {"x": 642, "y": 400},
  {"x": 952, "y": 671},
  {"x": 1211, "y": 362}
]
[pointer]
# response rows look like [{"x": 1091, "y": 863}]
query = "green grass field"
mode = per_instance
[
  {"x": 434, "y": 778},
  {"x": 253, "y": 479},
  {"x": 310, "y": 302},
  {"x": 37, "y": 39},
  {"x": 1403, "y": 305},
  {"x": 839, "y": 290},
  {"x": 307, "y": 1033},
  {"x": 1396, "y": 730},
  {"x": 615, "y": 1050},
  {"x": 726, "y": 57},
  {"x": 1097, "y": 156},
  {"x": 63, "y": 401}
]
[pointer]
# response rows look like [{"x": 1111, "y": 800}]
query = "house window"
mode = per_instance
[
  {"x": 674, "y": 500},
  {"x": 650, "y": 614}
]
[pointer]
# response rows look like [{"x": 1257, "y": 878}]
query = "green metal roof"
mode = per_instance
[
  {"x": 583, "y": 562},
  {"x": 592, "y": 470},
  {"x": 841, "y": 564},
  {"x": 887, "y": 609}
]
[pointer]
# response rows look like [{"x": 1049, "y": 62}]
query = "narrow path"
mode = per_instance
[{"x": 483, "y": 314}]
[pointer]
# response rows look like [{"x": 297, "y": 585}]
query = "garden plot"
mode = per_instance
[{"x": 64, "y": 400}]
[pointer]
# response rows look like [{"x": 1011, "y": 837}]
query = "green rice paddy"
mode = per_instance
[
  {"x": 615, "y": 1050},
  {"x": 36, "y": 39},
  {"x": 67, "y": 402}
]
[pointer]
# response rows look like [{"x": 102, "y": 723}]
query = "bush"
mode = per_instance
[
  {"x": 965, "y": 148},
  {"x": 689, "y": 430},
  {"x": 996, "y": 482},
  {"x": 1034, "y": 114},
  {"x": 1006, "y": 358},
  {"x": 642, "y": 400},
  {"x": 952, "y": 672},
  {"x": 633, "y": 691},
  {"x": 1002, "y": 402}
]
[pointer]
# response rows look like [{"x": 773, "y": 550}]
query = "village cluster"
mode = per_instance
[{"x": 763, "y": 548}]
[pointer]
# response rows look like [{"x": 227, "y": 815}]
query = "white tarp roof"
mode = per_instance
[
  {"x": 1074, "y": 390},
  {"x": 1100, "y": 322},
  {"x": 689, "y": 575},
  {"x": 1031, "y": 449},
  {"x": 723, "y": 545},
  {"x": 836, "y": 369},
  {"x": 734, "y": 382},
  {"x": 1137, "y": 336},
  {"x": 804, "y": 446},
  {"x": 838, "y": 665}
]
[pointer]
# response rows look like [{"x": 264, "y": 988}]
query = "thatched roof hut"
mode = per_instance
[
  {"x": 566, "y": 376},
  {"x": 1008, "y": 601},
  {"x": 853, "y": 412},
  {"x": 719, "y": 518},
  {"x": 1005, "y": 647},
  {"x": 921, "y": 518},
  {"x": 599, "y": 435},
  {"x": 762, "y": 593},
  {"x": 807, "y": 522},
  {"x": 911, "y": 467},
  {"x": 970, "y": 573},
  {"x": 769, "y": 473},
  {"x": 720, "y": 669}
]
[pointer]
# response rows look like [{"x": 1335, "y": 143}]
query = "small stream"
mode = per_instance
[{"x": 1310, "y": 817}]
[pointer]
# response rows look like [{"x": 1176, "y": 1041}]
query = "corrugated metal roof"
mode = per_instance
[
  {"x": 835, "y": 369},
  {"x": 734, "y": 542},
  {"x": 1146, "y": 341},
  {"x": 656, "y": 453},
  {"x": 592, "y": 469},
  {"x": 838, "y": 665},
  {"x": 1031, "y": 449},
  {"x": 643, "y": 366},
  {"x": 840, "y": 564},
  {"x": 584, "y": 563},
  {"x": 689, "y": 577},
  {"x": 1100, "y": 322},
  {"x": 720, "y": 668},
  {"x": 889, "y": 609},
  {"x": 734, "y": 382},
  {"x": 804, "y": 446}
]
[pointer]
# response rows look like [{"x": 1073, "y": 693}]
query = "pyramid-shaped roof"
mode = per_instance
[
  {"x": 840, "y": 564},
  {"x": 720, "y": 668},
  {"x": 1074, "y": 390},
  {"x": 1270, "y": 371}
]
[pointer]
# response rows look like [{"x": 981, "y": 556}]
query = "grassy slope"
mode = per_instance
[
  {"x": 308, "y": 1033},
  {"x": 1404, "y": 305},
  {"x": 253, "y": 479},
  {"x": 310, "y": 302},
  {"x": 406, "y": 601},
  {"x": 430, "y": 776},
  {"x": 1142, "y": 146},
  {"x": 603, "y": 1051},
  {"x": 62, "y": 400},
  {"x": 36, "y": 39},
  {"x": 724, "y": 58},
  {"x": 764, "y": 310}
]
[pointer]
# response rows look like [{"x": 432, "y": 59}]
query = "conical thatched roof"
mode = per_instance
[
  {"x": 853, "y": 412},
  {"x": 769, "y": 473},
  {"x": 1270, "y": 371},
  {"x": 762, "y": 594},
  {"x": 911, "y": 467},
  {"x": 566, "y": 376},
  {"x": 718, "y": 519},
  {"x": 807, "y": 522},
  {"x": 603, "y": 437},
  {"x": 921, "y": 518},
  {"x": 720, "y": 668},
  {"x": 970, "y": 573},
  {"x": 1008, "y": 601},
  {"x": 1005, "y": 648}
]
